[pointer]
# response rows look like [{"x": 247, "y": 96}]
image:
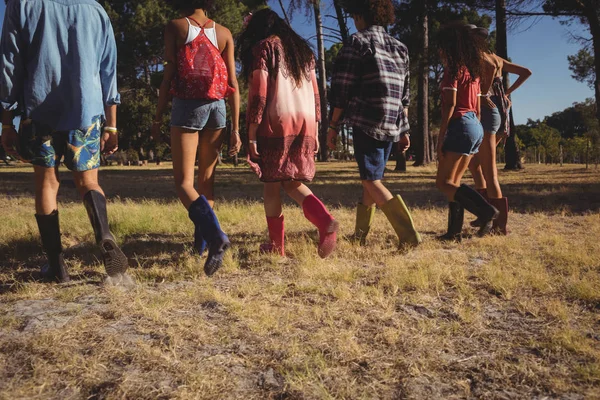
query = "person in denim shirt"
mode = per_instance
[{"x": 58, "y": 62}]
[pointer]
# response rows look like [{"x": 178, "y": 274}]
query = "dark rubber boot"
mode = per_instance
[
  {"x": 476, "y": 223},
  {"x": 476, "y": 204},
  {"x": 55, "y": 270},
  {"x": 202, "y": 215},
  {"x": 456, "y": 215},
  {"x": 500, "y": 222},
  {"x": 364, "y": 219},
  {"x": 115, "y": 261}
]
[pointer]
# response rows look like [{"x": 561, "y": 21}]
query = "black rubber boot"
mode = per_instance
[
  {"x": 55, "y": 270},
  {"x": 203, "y": 216},
  {"x": 115, "y": 261},
  {"x": 473, "y": 202},
  {"x": 456, "y": 216}
]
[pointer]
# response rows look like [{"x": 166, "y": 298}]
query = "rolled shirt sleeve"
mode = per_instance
[
  {"x": 345, "y": 76},
  {"x": 108, "y": 70},
  {"x": 406, "y": 92},
  {"x": 11, "y": 58}
]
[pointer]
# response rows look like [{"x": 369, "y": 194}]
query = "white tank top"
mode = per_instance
[{"x": 194, "y": 31}]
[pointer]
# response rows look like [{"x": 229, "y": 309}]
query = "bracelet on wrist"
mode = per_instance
[
  {"x": 253, "y": 141},
  {"x": 110, "y": 129},
  {"x": 156, "y": 122},
  {"x": 333, "y": 127},
  {"x": 8, "y": 126}
]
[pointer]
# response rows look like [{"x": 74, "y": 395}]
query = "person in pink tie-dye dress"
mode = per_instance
[{"x": 282, "y": 116}]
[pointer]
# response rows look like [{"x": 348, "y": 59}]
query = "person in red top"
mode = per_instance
[
  {"x": 199, "y": 74},
  {"x": 461, "y": 132}
]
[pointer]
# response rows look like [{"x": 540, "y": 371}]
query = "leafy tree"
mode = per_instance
[{"x": 582, "y": 67}]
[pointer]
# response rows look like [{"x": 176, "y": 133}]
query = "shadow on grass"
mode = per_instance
[{"x": 540, "y": 189}]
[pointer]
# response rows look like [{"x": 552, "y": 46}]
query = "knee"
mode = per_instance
[
  {"x": 183, "y": 185},
  {"x": 441, "y": 183},
  {"x": 290, "y": 186}
]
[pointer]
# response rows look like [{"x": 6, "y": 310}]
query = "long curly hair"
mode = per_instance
[
  {"x": 299, "y": 57},
  {"x": 375, "y": 12},
  {"x": 461, "y": 49}
]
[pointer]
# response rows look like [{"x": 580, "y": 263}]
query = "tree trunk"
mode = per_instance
[
  {"x": 423, "y": 155},
  {"x": 322, "y": 81},
  {"x": 594, "y": 22},
  {"x": 341, "y": 20},
  {"x": 511, "y": 148}
]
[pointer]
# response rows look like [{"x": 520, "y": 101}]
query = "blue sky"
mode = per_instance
[{"x": 543, "y": 49}]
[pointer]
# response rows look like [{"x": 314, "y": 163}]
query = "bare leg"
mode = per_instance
[
  {"x": 184, "y": 144},
  {"x": 86, "y": 181},
  {"x": 46, "y": 190},
  {"x": 272, "y": 199},
  {"x": 209, "y": 145},
  {"x": 477, "y": 173},
  {"x": 487, "y": 153},
  {"x": 297, "y": 191},
  {"x": 367, "y": 200},
  {"x": 377, "y": 193},
  {"x": 450, "y": 172}
]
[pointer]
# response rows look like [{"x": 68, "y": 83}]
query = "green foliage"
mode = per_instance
[{"x": 582, "y": 67}]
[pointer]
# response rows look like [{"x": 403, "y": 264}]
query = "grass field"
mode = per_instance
[{"x": 496, "y": 318}]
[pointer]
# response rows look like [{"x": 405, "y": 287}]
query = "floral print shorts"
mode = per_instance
[{"x": 44, "y": 147}]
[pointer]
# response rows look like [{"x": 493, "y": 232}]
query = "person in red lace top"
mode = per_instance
[
  {"x": 199, "y": 74},
  {"x": 282, "y": 117}
]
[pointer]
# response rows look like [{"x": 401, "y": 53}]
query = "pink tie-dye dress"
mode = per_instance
[{"x": 287, "y": 116}]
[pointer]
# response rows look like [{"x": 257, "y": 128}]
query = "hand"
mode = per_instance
[
  {"x": 489, "y": 103},
  {"x": 332, "y": 139},
  {"x": 156, "y": 133},
  {"x": 109, "y": 142},
  {"x": 235, "y": 143},
  {"x": 253, "y": 150},
  {"x": 318, "y": 146},
  {"x": 9, "y": 142},
  {"x": 404, "y": 143},
  {"x": 508, "y": 102}
]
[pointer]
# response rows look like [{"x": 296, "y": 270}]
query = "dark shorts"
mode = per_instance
[
  {"x": 490, "y": 117},
  {"x": 45, "y": 147},
  {"x": 198, "y": 114},
  {"x": 371, "y": 155},
  {"x": 464, "y": 135}
]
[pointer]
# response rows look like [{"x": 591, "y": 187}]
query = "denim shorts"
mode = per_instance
[
  {"x": 45, "y": 147},
  {"x": 464, "y": 135},
  {"x": 198, "y": 114},
  {"x": 371, "y": 155},
  {"x": 490, "y": 117}
]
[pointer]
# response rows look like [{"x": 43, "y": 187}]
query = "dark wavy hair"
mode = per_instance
[
  {"x": 184, "y": 5},
  {"x": 460, "y": 47},
  {"x": 299, "y": 57},
  {"x": 375, "y": 12}
]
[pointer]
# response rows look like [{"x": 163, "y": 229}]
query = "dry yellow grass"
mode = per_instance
[{"x": 499, "y": 317}]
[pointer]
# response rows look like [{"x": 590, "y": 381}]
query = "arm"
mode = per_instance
[
  {"x": 257, "y": 99},
  {"x": 406, "y": 89},
  {"x": 235, "y": 142},
  {"x": 109, "y": 142},
  {"x": 448, "y": 105},
  {"x": 169, "y": 72},
  {"x": 523, "y": 73},
  {"x": 344, "y": 80},
  {"x": 11, "y": 59}
]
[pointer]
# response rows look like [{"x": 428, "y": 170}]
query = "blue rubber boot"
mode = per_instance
[
  {"x": 203, "y": 216},
  {"x": 199, "y": 242}
]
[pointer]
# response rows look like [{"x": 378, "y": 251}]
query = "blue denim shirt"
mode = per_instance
[{"x": 58, "y": 61}]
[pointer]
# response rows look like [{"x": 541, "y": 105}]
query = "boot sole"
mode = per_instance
[
  {"x": 215, "y": 261},
  {"x": 115, "y": 261},
  {"x": 328, "y": 246}
]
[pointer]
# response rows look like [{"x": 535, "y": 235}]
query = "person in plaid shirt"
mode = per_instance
[{"x": 370, "y": 92}]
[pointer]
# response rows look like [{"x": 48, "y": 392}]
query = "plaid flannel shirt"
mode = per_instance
[{"x": 370, "y": 82}]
